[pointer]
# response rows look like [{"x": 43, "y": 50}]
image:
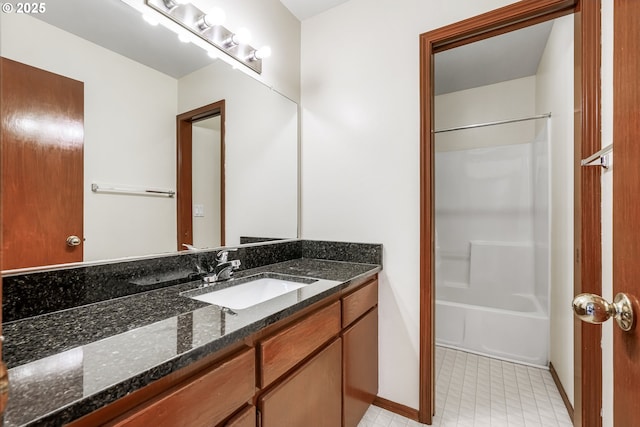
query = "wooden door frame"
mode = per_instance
[
  {"x": 185, "y": 170},
  {"x": 587, "y": 266}
]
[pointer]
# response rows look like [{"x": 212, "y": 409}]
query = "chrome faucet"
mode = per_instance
[{"x": 224, "y": 268}]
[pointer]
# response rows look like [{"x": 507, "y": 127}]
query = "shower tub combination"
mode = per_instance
[
  {"x": 492, "y": 251},
  {"x": 495, "y": 315}
]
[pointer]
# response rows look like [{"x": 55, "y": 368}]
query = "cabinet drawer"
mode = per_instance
[
  {"x": 359, "y": 302},
  {"x": 285, "y": 349},
  {"x": 205, "y": 400}
]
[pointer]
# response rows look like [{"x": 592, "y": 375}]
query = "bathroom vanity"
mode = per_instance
[{"x": 307, "y": 357}]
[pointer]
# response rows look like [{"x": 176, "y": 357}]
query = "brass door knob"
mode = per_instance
[{"x": 594, "y": 309}]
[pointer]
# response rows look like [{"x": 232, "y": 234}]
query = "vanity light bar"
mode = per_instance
[{"x": 193, "y": 20}]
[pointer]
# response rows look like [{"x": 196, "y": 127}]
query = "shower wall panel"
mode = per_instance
[{"x": 483, "y": 195}]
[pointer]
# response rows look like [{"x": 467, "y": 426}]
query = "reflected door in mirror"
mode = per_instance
[
  {"x": 201, "y": 176},
  {"x": 42, "y": 166}
]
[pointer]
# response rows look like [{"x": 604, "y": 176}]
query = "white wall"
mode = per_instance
[
  {"x": 510, "y": 99},
  {"x": 360, "y": 157},
  {"x": 129, "y": 125},
  {"x": 206, "y": 183},
  {"x": 261, "y": 134},
  {"x": 555, "y": 95}
]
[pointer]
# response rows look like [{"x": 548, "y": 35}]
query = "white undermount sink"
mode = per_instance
[{"x": 248, "y": 294}]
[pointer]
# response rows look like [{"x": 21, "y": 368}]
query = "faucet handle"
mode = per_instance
[
  {"x": 190, "y": 247},
  {"x": 223, "y": 254}
]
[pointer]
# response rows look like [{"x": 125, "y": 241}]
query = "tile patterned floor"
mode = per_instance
[{"x": 477, "y": 391}]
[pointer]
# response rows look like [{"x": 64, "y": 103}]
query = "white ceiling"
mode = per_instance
[
  {"x": 509, "y": 56},
  {"x": 304, "y": 9},
  {"x": 120, "y": 28}
]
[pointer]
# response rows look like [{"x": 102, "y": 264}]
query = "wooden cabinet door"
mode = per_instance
[
  {"x": 360, "y": 366},
  {"x": 311, "y": 396},
  {"x": 246, "y": 418}
]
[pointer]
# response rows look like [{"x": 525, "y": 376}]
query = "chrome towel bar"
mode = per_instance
[{"x": 132, "y": 190}]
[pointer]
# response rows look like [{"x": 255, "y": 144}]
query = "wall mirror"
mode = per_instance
[{"x": 137, "y": 79}]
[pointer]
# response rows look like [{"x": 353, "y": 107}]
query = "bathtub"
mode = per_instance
[{"x": 511, "y": 327}]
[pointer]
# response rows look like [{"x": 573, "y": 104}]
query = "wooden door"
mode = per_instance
[
  {"x": 626, "y": 206},
  {"x": 311, "y": 396},
  {"x": 42, "y": 136}
]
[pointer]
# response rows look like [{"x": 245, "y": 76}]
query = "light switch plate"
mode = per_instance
[{"x": 198, "y": 211}]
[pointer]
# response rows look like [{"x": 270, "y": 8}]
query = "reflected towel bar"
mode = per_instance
[
  {"x": 499, "y": 122},
  {"x": 599, "y": 159},
  {"x": 132, "y": 190}
]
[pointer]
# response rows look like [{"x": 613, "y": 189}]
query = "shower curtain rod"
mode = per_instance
[{"x": 500, "y": 122}]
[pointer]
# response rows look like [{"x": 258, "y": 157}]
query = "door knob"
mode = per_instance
[
  {"x": 593, "y": 308},
  {"x": 73, "y": 241}
]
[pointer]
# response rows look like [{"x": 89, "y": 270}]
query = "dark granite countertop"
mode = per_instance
[{"x": 66, "y": 364}]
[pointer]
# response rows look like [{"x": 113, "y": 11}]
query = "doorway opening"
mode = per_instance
[
  {"x": 587, "y": 277},
  {"x": 201, "y": 177}
]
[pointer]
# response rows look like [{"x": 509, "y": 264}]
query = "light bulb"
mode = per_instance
[
  {"x": 149, "y": 19},
  {"x": 215, "y": 16},
  {"x": 263, "y": 52},
  {"x": 242, "y": 36}
]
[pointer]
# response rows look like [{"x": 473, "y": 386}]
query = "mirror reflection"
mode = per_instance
[{"x": 129, "y": 129}]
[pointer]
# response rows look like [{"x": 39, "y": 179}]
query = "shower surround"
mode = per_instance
[{"x": 492, "y": 249}]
